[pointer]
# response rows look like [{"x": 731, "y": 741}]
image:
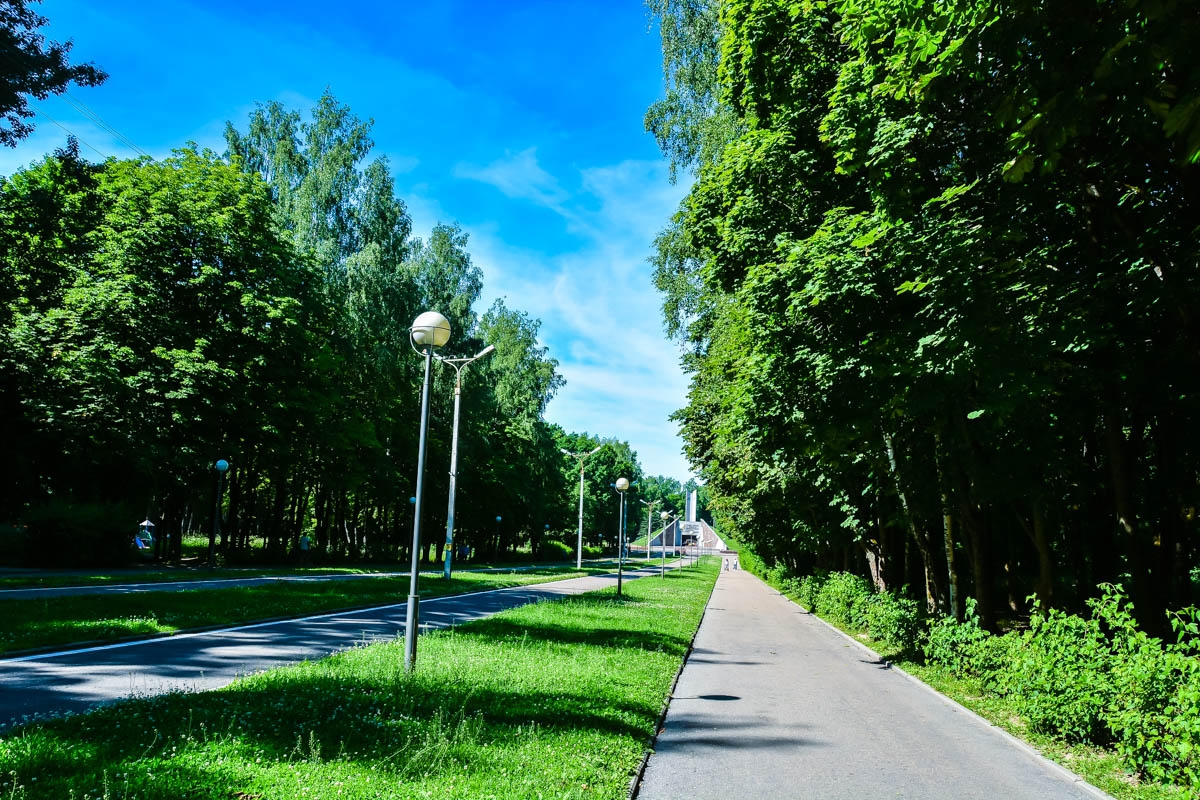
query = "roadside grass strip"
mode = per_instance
[
  {"x": 174, "y": 575},
  {"x": 63, "y": 621},
  {"x": 556, "y": 699}
]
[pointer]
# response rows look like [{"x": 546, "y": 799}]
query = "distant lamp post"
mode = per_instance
[
  {"x": 459, "y": 365},
  {"x": 622, "y": 486},
  {"x": 222, "y": 466},
  {"x": 498, "y": 518},
  {"x": 581, "y": 457},
  {"x": 649, "y": 504},
  {"x": 429, "y": 330},
  {"x": 662, "y": 541}
]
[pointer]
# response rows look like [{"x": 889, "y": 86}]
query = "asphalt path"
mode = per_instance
[
  {"x": 51, "y": 684},
  {"x": 774, "y": 703}
]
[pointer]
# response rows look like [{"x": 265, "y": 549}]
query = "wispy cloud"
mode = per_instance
[
  {"x": 520, "y": 177},
  {"x": 601, "y": 315}
]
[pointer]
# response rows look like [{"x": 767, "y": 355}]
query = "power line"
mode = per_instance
[
  {"x": 79, "y": 106},
  {"x": 69, "y": 131}
]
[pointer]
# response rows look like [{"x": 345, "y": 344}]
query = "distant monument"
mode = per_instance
[{"x": 690, "y": 514}]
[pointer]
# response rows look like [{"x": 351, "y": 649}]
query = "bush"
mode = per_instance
[
  {"x": 555, "y": 551},
  {"x": 1060, "y": 679},
  {"x": 953, "y": 645},
  {"x": 64, "y": 534},
  {"x": 892, "y": 621},
  {"x": 838, "y": 597}
]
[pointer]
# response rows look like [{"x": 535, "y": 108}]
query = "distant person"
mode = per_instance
[{"x": 305, "y": 544}]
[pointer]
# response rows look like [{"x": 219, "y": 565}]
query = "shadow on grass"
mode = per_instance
[
  {"x": 383, "y": 721},
  {"x": 363, "y": 712}
]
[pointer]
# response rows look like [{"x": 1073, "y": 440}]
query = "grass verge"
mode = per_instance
[
  {"x": 172, "y": 574},
  {"x": 557, "y": 699},
  {"x": 59, "y": 621}
]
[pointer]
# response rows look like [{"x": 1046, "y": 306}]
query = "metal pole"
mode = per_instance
[
  {"x": 649, "y": 514},
  {"x": 412, "y": 617},
  {"x": 621, "y": 544},
  {"x": 579, "y": 548},
  {"x": 216, "y": 528},
  {"x": 453, "y": 477},
  {"x": 662, "y": 549}
]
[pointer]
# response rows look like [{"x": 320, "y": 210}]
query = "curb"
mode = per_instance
[
  {"x": 635, "y": 783},
  {"x": 1051, "y": 765}
]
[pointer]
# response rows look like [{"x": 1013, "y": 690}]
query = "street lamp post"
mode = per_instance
[
  {"x": 622, "y": 486},
  {"x": 429, "y": 330},
  {"x": 459, "y": 365},
  {"x": 221, "y": 466},
  {"x": 649, "y": 504},
  {"x": 582, "y": 457},
  {"x": 662, "y": 542}
]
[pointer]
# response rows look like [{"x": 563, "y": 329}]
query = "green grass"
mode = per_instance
[
  {"x": 58, "y": 621},
  {"x": 172, "y": 574},
  {"x": 558, "y": 699}
]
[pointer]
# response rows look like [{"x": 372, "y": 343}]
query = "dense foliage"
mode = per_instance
[
  {"x": 254, "y": 307},
  {"x": 938, "y": 289}
]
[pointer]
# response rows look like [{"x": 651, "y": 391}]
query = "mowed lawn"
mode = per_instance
[
  {"x": 558, "y": 699},
  {"x": 61, "y": 621}
]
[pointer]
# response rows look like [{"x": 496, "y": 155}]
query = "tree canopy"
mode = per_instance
[{"x": 939, "y": 291}]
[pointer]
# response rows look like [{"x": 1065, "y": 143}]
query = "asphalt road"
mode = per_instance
[
  {"x": 55, "y": 683},
  {"x": 773, "y": 703}
]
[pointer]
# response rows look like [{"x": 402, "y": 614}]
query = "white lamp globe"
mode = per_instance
[
  {"x": 622, "y": 484},
  {"x": 431, "y": 328}
]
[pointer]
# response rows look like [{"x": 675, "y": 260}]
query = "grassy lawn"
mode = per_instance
[
  {"x": 54, "y": 621},
  {"x": 551, "y": 700},
  {"x": 147, "y": 574},
  {"x": 171, "y": 574}
]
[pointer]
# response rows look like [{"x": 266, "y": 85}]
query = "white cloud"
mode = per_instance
[
  {"x": 601, "y": 315},
  {"x": 520, "y": 177}
]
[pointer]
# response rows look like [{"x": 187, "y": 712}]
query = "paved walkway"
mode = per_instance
[
  {"x": 54, "y": 683},
  {"x": 773, "y": 703}
]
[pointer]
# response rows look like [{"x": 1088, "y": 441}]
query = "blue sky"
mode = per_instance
[{"x": 522, "y": 121}]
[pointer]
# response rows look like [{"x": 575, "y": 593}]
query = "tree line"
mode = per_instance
[
  {"x": 253, "y": 306},
  {"x": 936, "y": 280}
]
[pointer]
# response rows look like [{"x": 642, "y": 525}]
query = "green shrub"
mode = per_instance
[
  {"x": 1060, "y": 680},
  {"x": 808, "y": 589},
  {"x": 892, "y": 621},
  {"x": 955, "y": 645},
  {"x": 838, "y": 596},
  {"x": 1154, "y": 714}
]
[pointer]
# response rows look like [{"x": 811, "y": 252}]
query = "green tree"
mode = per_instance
[{"x": 32, "y": 67}]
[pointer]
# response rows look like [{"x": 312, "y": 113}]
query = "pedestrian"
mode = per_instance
[
  {"x": 727, "y": 565},
  {"x": 305, "y": 542}
]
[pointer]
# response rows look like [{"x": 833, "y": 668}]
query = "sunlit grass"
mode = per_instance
[
  {"x": 58, "y": 621},
  {"x": 557, "y": 699},
  {"x": 168, "y": 575}
]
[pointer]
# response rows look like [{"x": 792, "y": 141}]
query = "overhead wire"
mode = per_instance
[
  {"x": 87, "y": 112},
  {"x": 77, "y": 137},
  {"x": 82, "y": 108}
]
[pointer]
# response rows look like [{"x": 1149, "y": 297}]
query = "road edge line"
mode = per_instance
[{"x": 1021, "y": 744}]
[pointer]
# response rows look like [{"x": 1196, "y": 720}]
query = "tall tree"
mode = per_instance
[{"x": 31, "y": 66}]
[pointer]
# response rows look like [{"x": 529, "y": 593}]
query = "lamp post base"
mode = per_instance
[{"x": 411, "y": 621}]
